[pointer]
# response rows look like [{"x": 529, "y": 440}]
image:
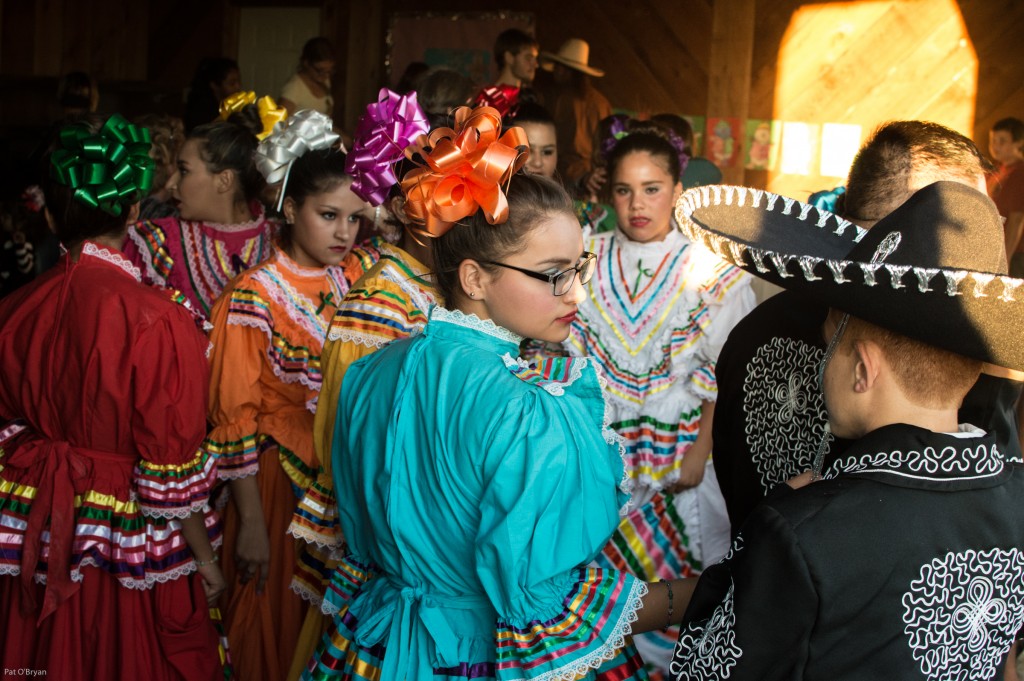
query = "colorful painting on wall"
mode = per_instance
[
  {"x": 723, "y": 142},
  {"x": 762, "y": 144}
]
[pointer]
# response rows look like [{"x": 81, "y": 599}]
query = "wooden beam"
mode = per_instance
[{"x": 730, "y": 66}]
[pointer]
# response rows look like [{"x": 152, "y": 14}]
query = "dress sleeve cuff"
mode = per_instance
[
  {"x": 349, "y": 577},
  {"x": 591, "y": 631},
  {"x": 235, "y": 451},
  {"x": 704, "y": 383},
  {"x": 175, "y": 490}
]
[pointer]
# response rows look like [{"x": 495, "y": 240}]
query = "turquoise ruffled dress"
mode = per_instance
[{"x": 478, "y": 490}]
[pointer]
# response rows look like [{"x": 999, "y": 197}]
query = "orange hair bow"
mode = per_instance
[{"x": 465, "y": 170}]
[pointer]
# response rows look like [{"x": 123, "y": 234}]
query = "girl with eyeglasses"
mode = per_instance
[
  {"x": 310, "y": 86},
  {"x": 479, "y": 488},
  {"x": 654, "y": 317}
]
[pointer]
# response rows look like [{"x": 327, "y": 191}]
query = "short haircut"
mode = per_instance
[
  {"x": 928, "y": 376},
  {"x": 884, "y": 169},
  {"x": 317, "y": 50},
  {"x": 1014, "y": 126},
  {"x": 513, "y": 40}
]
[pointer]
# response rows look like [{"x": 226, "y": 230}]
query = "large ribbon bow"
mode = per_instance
[
  {"x": 107, "y": 169},
  {"x": 269, "y": 112},
  {"x": 464, "y": 172},
  {"x": 504, "y": 98},
  {"x": 389, "y": 125},
  {"x": 307, "y": 130}
]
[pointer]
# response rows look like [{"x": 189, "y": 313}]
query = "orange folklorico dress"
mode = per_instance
[{"x": 269, "y": 328}]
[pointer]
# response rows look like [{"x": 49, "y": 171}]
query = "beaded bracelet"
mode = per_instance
[
  {"x": 204, "y": 563},
  {"x": 668, "y": 618}
]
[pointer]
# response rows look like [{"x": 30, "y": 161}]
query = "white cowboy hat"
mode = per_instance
[{"x": 575, "y": 54}]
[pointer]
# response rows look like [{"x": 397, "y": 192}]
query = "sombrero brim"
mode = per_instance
[
  {"x": 548, "y": 57},
  {"x": 975, "y": 313}
]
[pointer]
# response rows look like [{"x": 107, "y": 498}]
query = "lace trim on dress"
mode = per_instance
[
  {"x": 523, "y": 371},
  {"x": 612, "y": 437},
  {"x": 471, "y": 321},
  {"x": 146, "y": 256},
  {"x": 174, "y": 513},
  {"x": 614, "y": 643},
  {"x": 115, "y": 259},
  {"x": 357, "y": 337}
]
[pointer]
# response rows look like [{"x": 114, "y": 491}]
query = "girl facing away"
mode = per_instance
[
  {"x": 478, "y": 487},
  {"x": 269, "y": 328},
  {"x": 654, "y": 317},
  {"x": 222, "y": 229},
  {"x": 107, "y": 551}
]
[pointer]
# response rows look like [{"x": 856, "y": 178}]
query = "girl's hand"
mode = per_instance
[
  {"x": 252, "y": 553},
  {"x": 213, "y": 581},
  {"x": 595, "y": 183},
  {"x": 691, "y": 473}
]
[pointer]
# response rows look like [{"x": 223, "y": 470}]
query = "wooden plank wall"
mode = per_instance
[{"x": 859, "y": 62}]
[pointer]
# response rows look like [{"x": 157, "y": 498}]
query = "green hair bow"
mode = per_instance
[{"x": 108, "y": 169}]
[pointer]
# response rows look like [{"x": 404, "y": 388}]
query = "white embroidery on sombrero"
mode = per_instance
[
  {"x": 1009, "y": 286},
  {"x": 805, "y": 208},
  {"x": 729, "y": 191},
  {"x": 742, "y": 198},
  {"x": 896, "y": 273},
  {"x": 963, "y": 611},
  {"x": 772, "y": 198},
  {"x": 788, "y": 210},
  {"x": 758, "y": 193},
  {"x": 870, "y": 269},
  {"x": 924, "y": 277},
  {"x": 757, "y": 257},
  {"x": 823, "y": 218},
  {"x": 838, "y": 268},
  {"x": 887, "y": 246},
  {"x": 779, "y": 261},
  {"x": 843, "y": 224},
  {"x": 717, "y": 189},
  {"x": 953, "y": 280},
  {"x": 807, "y": 264},
  {"x": 981, "y": 280},
  {"x": 705, "y": 195}
]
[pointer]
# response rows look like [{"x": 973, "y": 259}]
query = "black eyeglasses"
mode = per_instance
[{"x": 560, "y": 282}]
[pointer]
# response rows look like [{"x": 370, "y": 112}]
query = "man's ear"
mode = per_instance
[{"x": 868, "y": 366}]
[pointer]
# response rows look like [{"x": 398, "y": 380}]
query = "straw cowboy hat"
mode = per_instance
[
  {"x": 934, "y": 269},
  {"x": 575, "y": 54}
]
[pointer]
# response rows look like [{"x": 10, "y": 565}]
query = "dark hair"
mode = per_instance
[
  {"x": 882, "y": 171},
  {"x": 513, "y": 40},
  {"x": 441, "y": 91},
  {"x": 411, "y": 77},
  {"x": 74, "y": 90},
  {"x": 680, "y": 126},
  {"x": 531, "y": 198},
  {"x": 1014, "y": 126},
  {"x": 647, "y": 137},
  {"x": 74, "y": 220},
  {"x": 202, "y": 105},
  {"x": 316, "y": 50},
  {"x": 531, "y": 112},
  {"x": 227, "y": 146}
]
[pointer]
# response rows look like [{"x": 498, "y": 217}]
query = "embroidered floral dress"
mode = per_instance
[
  {"x": 102, "y": 401},
  {"x": 389, "y": 302},
  {"x": 269, "y": 328},
  {"x": 654, "y": 318},
  {"x": 199, "y": 258},
  {"x": 905, "y": 562},
  {"x": 478, "y": 490}
]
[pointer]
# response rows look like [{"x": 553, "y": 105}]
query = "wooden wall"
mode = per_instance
[{"x": 859, "y": 62}]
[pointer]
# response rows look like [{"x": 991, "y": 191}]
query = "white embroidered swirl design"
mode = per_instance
[
  {"x": 784, "y": 410},
  {"x": 967, "y": 463},
  {"x": 963, "y": 611},
  {"x": 708, "y": 652},
  {"x": 471, "y": 321}
]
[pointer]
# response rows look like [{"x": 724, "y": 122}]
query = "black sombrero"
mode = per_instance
[{"x": 934, "y": 269}]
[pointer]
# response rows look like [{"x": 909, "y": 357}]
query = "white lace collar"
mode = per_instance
[
  {"x": 471, "y": 321},
  {"x": 114, "y": 258}
]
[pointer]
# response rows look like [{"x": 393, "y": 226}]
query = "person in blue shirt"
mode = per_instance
[{"x": 479, "y": 487}]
